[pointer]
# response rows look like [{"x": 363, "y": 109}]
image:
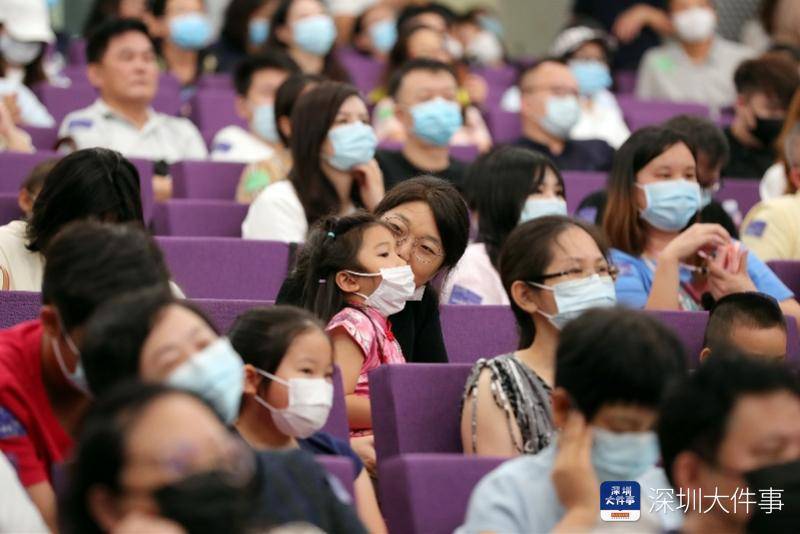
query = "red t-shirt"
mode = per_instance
[{"x": 30, "y": 435}]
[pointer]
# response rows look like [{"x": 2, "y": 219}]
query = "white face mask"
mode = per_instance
[
  {"x": 485, "y": 48},
  {"x": 695, "y": 25},
  {"x": 574, "y": 297},
  {"x": 396, "y": 287},
  {"x": 310, "y": 401},
  {"x": 18, "y": 52}
]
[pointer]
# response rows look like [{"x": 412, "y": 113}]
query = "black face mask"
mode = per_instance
[
  {"x": 207, "y": 503},
  {"x": 784, "y": 477},
  {"x": 767, "y": 130}
]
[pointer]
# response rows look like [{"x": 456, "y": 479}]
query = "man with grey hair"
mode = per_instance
[{"x": 772, "y": 228}]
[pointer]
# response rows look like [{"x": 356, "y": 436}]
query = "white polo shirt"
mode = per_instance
[
  {"x": 234, "y": 143},
  {"x": 163, "y": 137},
  {"x": 20, "y": 269}
]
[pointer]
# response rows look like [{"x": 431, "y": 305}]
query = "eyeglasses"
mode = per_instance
[
  {"x": 425, "y": 250},
  {"x": 606, "y": 270}
]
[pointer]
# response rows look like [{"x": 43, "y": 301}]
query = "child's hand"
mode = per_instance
[{"x": 364, "y": 446}]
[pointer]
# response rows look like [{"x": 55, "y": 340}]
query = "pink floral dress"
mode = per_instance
[{"x": 372, "y": 332}]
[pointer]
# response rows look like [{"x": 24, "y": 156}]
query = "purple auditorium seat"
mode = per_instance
[
  {"x": 225, "y": 268},
  {"x": 199, "y": 218},
  {"x": 9, "y": 208},
  {"x": 625, "y": 82},
  {"x": 429, "y": 493},
  {"x": 498, "y": 79},
  {"x": 743, "y": 191},
  {"x": 417, "y": 408},
  {"x": 62, "y": 100},
  {"x": 223, "y": 312},
  {"x": 472, "y": 332},
  {"x": 464, "y": 153},
  {"x": 690, "y": 328},
  {"x": 205, "y": 179},
  {"x": 76, "y": 54},
  {"x": 339, "y": 467},
  {"x": 789, "y": 273},
  {"x": 581, "y": 184},
  {"x": 18, "y": 306},
  {"x": 336, "y": 425},
  {"x": 213, "y": 110},
  {"x": 641, "y": 113},
  {"x": 365, "y": 71},
  {"x": 504, "y": 125},
  {"x": 42, "y": 138},
  {"x": 216, "y": 81},
  {"x": 16, "y": 166}
]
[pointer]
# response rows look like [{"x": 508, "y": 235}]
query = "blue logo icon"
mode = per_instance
[{"x": 620, "y": 500}]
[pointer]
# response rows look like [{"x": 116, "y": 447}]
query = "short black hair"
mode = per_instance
[
  {"x": 263, "y": 335},
  {"x": 99, "y": 39},
  {"x": 270, "y": 59},
  {"x": 430, "y": 65},
  {"x": 530, "y": 68},
  {"x": 89, "y": 263},
  {"x": 93, "y": 183},
  {"x": 617, "y": 355},
  {"x": 116, "y": 332},
  {"x": 772, "y": 74},
  {"x": 695, "y": 412},
  {"x": 703, "y": 136},
  {"x": 412, "y": 11},
  {"x": 750, "y": 308}
]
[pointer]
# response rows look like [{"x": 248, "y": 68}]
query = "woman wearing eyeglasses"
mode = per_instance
[{"x": 553, "y": 269}]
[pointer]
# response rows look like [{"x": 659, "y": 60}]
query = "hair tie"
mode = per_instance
[
  {"x": 321, "y": 281},
  {"x": 331, "y": 235}
]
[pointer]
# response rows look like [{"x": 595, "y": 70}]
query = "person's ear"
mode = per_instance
[
  {"x": 561, "y": 404},
  {"x": 243, "y": 108},
  {"x": 687, "y": 470},
  {"x": 285, "y": 125},
  {"x": 794, "y": 177},
  {"x": 347, "y": 282},
  {"x": 284, "y": 34},
  {"x": 522, "y": 295},
  {"x": 103, "y": 508},
  {"x": 94, "y": 73},
  {"x": 159, "y": 28},
  {"x": 48, "y": 316},
  {"x": 252, "y": 380},
  {"x": 25, "y": 201},
  {"x": 705, "y": 353}
]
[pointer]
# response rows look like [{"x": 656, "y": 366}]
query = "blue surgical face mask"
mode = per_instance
[
  {"x": 623, "y": 455},
  {"x": 191, "y": 31},
  {"x": 353, "y": 144},
  {"x": 315, "y": 34},
  {"x": 706, "y": 196},
  {"x": 263, "y": 123},
  {"x": 562, "y": 114},
  {"x": 671, "y": 204},
  {"x": 540, "y": 207},
  {"x": 216, "y": 374},
  {"x": 77, "y": 377},
  {"x": 492, "y": 24},
  {"x": 384, "y": 35},
  {"x": 593, "y": 76},
  {"x": 574, "y": 297},
  {"x": 258, "y": 31},
  {"x": 437, "y": 120}
]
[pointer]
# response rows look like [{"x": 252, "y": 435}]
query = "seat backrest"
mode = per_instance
[
  {"x": 336, "y": 425},
  {"x": 205, "y": 179},
  {"x": 690, "y": 327},
  {"x": 744, "y": 192},
  {"x": 19, "y": 306},
  {"x": 17, "y": 165},
  {"x": 504, "y": 125},
  {"x": 9, "y": 208},
  {"x": 60, "y": 101},
  {"x": 581, "y": 184},
  {"x": 199, "y": 218},
  {"x": 417, "y": 408},
  {"x": 340, "y": 467},
  {"x": 226, "y": 268},
  {"x": 625, "y": 82},
  {"x": 223, "y": 312},
  {"x": 472, "y": 332},
  {"x": 365, "y": 71},
  {"x": 42, "y": 138},
  {"x": 429, "y": 493},
  {"x": 213, "y": 109},
  {"x": 789, "y": 273},
  {"x": 640, "y": 113}
]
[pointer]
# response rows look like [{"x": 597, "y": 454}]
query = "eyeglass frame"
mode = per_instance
[
  {"x": 400, "y": 240},
  {"x": 612, "y": 271}
]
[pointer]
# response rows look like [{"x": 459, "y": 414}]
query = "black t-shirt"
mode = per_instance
[
  {"x": 416, "y": 327},
  {"x": 747, "y": 162},
  {"x": 578, "y": 155},
  {"x": 606, "y": 12},
  {"x": 396, "y": 168},
  {"x": 593, "y": 207}
]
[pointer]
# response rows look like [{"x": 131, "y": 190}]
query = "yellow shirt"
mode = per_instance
[{"x": 772, "y": 228}]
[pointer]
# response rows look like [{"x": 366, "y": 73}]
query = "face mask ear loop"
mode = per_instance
[{"x": 273, "y": 378}]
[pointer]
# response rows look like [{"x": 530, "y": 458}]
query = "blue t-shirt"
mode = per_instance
[
  {"x": 635, "y": 279},
  {"x": 324, "y": 443}
]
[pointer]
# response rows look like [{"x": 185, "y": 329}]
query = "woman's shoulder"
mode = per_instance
[
  {"x": 620, "y": 257},
  {"x": 491, "y": 366},
  {"x": 13, "y": 235}
]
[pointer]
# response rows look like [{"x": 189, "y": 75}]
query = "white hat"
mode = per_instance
[{"x": 26, "y": 20}]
